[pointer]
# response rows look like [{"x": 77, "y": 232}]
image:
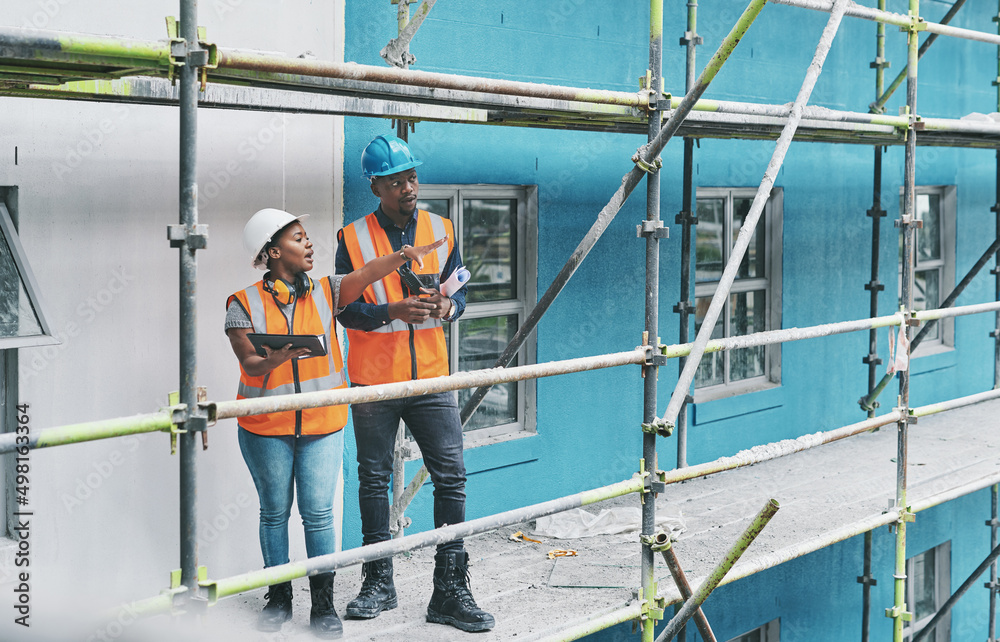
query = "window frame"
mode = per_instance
[
  {"x": 942, "y": 591},
  {"x": 772, "y": 226},
  {"x": 769, "y": 632},
  {"x": 27, "y": 278},
  {"x": 526, "y": 258},
  {"x": 948, "y": 214}
]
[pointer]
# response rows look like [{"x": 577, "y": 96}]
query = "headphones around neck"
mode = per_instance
[{"x": 285, "y": 293}]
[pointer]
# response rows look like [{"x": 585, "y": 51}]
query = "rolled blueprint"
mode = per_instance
[{"x": 455, "y": 282}]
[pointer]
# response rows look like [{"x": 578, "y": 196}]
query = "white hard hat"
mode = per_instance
[{"x": 259, "y": 230}]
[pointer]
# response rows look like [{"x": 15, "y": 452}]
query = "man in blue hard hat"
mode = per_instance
[{"x": 395, "y": 334}]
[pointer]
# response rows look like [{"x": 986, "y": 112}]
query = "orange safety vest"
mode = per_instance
[
  {"x": 312, "y": 314},
  {"x": 397, "y": 351}
]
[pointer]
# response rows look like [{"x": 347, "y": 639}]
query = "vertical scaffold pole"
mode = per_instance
[
  {"x": 649, "y": 372},
  {"x": 867, "y": 582},
  {"x": 686, "y": 218},
  {"x": 188, "y": 246},
  {"x": 874, "y": 286},
  {"x": 996, "y": 268},
  {"x": 398, "y": 458},
  {"x": 908, "y": 226},
  {"x": 992, "y": 586},
  {"x": 402, "y": 131}
]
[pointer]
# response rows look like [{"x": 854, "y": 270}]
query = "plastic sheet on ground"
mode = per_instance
[{"x": 578, "y": 522}]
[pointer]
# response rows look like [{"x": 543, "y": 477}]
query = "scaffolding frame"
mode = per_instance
[{"x": 84, "y": 67}]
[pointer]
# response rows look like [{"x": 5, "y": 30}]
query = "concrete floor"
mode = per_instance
[{"x": 819, "y": 490}]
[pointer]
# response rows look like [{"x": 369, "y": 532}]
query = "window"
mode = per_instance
[
  {"x": 22, "y": 322},
  {"x": 497, "y": 229},
  {"x": 767, "y": 633},
  {"x": 934, "y": 271},
  {"x": 928, "y": 586},
  {"x": 754, "y": 303}
]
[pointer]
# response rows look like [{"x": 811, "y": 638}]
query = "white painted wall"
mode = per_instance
[{"x": 97, "y": 189}]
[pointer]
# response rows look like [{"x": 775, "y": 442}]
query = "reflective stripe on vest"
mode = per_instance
[
  {"x": 256, "y": 309},
  {"x": 311, "y": 315},
  {"x": 384, "y": 355}
]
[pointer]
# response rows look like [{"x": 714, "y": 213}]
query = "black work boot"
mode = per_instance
[
  {"x": 377, "y": 593},
  {"x": 323, "y": 619},
  {"x": 278, "y": 609},
  {"x": 452, "y": 602}
]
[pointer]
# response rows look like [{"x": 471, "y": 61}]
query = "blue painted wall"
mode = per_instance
[{"x": 588, "y": 423}]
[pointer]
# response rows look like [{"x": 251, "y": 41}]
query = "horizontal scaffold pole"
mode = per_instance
[
  {"x": 952, "y": 404},
  {"x": 272, "y": 64},
  {"x": 457, "y": 381},
  {"x": 89, "y": 431},
  {"x": 396, "y": 101},
  {"x": 898, "y": 19},
  {"x": 588, "y": 626},
  {"x": 35, "y": 46},
  {"x": 758, "y": 454},
  {"x": 767, "y": 452},
  {"x": 766, "y": 561},
  {"x": 321, "y": 563},
  {"x": 867, "y": 402},
  {"x": 161, "y": 421}
]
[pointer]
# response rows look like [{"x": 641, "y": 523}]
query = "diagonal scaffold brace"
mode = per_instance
[
  {"x": 648, "y": 154},
  {"x": 750, "y": 223},
  {"x": 663, "y": 545},
  {"x": 719, "y": 572}
]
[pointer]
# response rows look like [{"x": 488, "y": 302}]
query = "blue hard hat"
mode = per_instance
[{"x": 385, "y": 155}]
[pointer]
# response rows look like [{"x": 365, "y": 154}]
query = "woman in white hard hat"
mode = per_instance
[{"x": 303, "y": 448}]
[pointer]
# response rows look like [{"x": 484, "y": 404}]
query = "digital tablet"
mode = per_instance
[{"x": 315, "y": 342}]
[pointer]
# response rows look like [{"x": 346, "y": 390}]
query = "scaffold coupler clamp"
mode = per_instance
[
  {"x": 656, "y": 229},
  {"x": 652, "y": 607},
  {"x": 195, "y": 420},
  {"x": 650, "y": 95},
  {"x": 181, "y": 235},
  {"x": 658, "y": 542},
  {"x": 868, "y": 404},
  {"x": 654, "y": 354},
  {"x": 916, "y": 24},
  {"x": 691, "y": 37},
  {"x": 900, "y": 612},
  {"x": 403, "y": 522},
  {"x": 904, "y": 515},
  {"x": 203, "y": 55},
  {"x": 178, "y": 413},
  {"x": 993, "y": 586},
  {"x": 183, "y": 601},
  {"x": 659, "y": 426},
  {"x": 650, "y": 167}
]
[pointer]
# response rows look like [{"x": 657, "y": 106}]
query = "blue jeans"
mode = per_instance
[
  {"x": 435, "y": 424},
  {"x": 310, "y": 462}
]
